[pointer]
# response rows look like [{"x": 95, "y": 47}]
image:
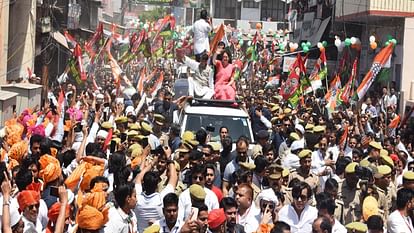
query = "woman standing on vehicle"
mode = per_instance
[{"x": 224, "y": 87}]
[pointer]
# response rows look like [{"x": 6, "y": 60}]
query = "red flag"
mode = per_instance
[
  {"x": 379, "y": 61},
  {"x": 394, "y": 122},
  {"x": 348, "y": 90},
  {"x": 107, "y": 140},
  {"x": 78, "y": 55},
  {"x": 293, "y": 81},
  {"x": 91, "y": 47},
  {"x": 217, "y": 38}
]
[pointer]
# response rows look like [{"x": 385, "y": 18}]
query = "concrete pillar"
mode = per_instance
[
  {"x": 22, "y": 33},
  {"x": 4, "y": 39}
]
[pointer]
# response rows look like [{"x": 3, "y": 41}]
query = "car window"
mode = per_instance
[{"x": 238, "y": 126}]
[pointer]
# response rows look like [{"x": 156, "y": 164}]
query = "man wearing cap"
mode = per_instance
[
  {"x": 350, "y": 194},
  {"x": 382, "y": 182},
  {"x": 303, "y": 173},
  {"x": 399, "y": 220},
  {"x": 262, "y": 140},
  {"x": 374, "y": 152},
  {"x": 289, "y": 158},
  {"x": 408, "y": 180},
  {"x": 275, "y": 182},
  {"x": 300, "y": 130},
  {"x": 121, "y": 124}
]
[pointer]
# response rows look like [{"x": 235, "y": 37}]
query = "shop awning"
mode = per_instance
[{"x": 60, "y": 38}]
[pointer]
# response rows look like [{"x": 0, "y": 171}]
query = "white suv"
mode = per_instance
[{"x": 213, "y": 114}]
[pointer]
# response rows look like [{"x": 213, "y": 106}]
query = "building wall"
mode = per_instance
[{"x": 407, "y": 81}]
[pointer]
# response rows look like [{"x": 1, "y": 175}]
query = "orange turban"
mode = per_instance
[
  {"x": 53, "y": 213},
  {"x": 14, "y": 131},
  {"x": 91, "y": 172},
  {"x": 73, "y": 179},
  {"x": 26, "y": 198},
  {"x": 90, "y": 218},
  {"x": 18, "y": 150},
  {"x": 49, "y": 168}
]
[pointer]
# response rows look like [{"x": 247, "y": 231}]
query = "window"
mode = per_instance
[
  {"x": 225, "y": 9},
  {"x": 274, "y": 9},
  {"x": 250, "y": 4}
]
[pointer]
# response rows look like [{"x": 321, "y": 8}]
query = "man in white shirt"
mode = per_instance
[
  {"x": 201, "y": 29},
  {"x": 149, "y": 202},
  {"x": 122, "y": 218},
  {"x": 399, "y": 220},
  {"x": 29, "y": 202},
  {"x": 170, "y": 223},
  {"x": 247, "y": 212},
  {"x": 201, "y": 84},
  {"x": 299, "y": 215}
]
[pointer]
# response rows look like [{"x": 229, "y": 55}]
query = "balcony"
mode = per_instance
[{"x": 353, "y": 9}]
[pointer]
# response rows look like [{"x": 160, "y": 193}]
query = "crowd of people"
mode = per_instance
[{"x": 103, "y": 161}]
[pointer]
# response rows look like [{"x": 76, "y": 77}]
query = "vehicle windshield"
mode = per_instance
[{"x": 238, "y": 126}]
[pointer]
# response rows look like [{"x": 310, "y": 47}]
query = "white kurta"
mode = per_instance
[
  {"x": 202, "y": 84},
  {"x": 397, "y": 223},
  {"x": 184, "y": 203},
  {"x": 298, "y": 224}
]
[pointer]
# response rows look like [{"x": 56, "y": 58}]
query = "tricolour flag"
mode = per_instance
[
  {"x": 344, "y": 136},
  {"x": 333, "y": 93},
  {"x": 70, "y": 39},
  {"x": 319, "y": 73},
  {"x": 379, "y": 61},
  {"x": 142, "y": 80},
  {"x": 93, "y": 45},
  {"x": 348, "y": 90}
]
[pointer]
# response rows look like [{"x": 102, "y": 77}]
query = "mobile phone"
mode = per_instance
[
  {"x": 112, "y": 147},
  {"x": 194, "y": 214},
  {"x": 144, "y": 142},
  {"x": 105, "y": 115},
  {"x": 123, "y": 137},
  {"x": 54, "y": 191}
]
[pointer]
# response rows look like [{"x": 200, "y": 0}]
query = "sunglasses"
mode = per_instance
[
  {"x": 31, "y": 207},
  {"x": 198, "y": 178},
  {"x": 302, "y": 197}
]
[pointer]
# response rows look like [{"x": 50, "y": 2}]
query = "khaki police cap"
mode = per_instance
[
  {"x": 107, "y": 125},
  {"x": 120, "y": 120},
  {"x": 408, "y": 175},
  {"x": 375, "y": 145},
  {"x": 305, "y": 153},
  {"x": 350, "y": 168},
  {"x": 357, "y": 227},
  {"x": 197, "y": 191},
  {"x": 319, "y": 129},
  {"x": 382, "y": 171}
]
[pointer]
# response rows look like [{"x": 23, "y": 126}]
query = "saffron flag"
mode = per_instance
[
  {"x": 217, "y": 38},
  {"x": 319, "y": 72},
  {"x": 379, "y": 61},
  {"x": 348, "y": 90},
  {"x": 394, "y": 122}
]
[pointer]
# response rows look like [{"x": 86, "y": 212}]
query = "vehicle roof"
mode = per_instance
[{"x": 214, "y": 110}]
